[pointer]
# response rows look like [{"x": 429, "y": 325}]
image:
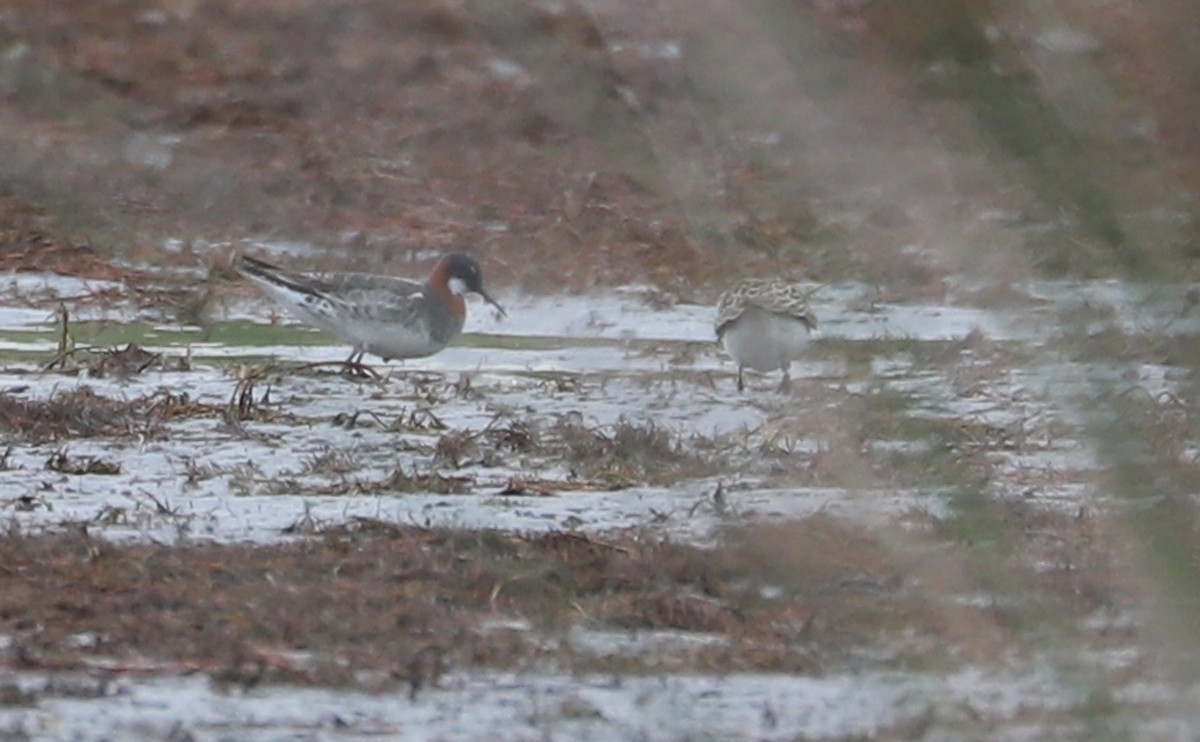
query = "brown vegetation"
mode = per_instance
[
  {"x": 610, "y": 143},
  {"x": 680, "y": 144},
  {"x": 373, "y": 596}
]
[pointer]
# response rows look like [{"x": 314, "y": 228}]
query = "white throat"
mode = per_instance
[{"x": 458, "y": 287}]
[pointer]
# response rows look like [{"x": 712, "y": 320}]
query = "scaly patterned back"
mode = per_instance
[{"x": 770, "y": 295}]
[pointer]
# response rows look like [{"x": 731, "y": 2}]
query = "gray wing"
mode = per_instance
[
  {"x": 383, "y": 298},
  {"x": 337, "y": 288},
  {"x": 360, "y": 286}
]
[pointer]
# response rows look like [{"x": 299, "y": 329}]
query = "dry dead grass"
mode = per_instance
[
  {"x": 626, "y": 452},
  {"x": 590, "y": 163},
  {"x": 78, "y": 413},
  {"x": 402, "y": 602},
  {"x": 399, "y": 604}
]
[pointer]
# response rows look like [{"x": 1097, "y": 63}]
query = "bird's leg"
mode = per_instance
[
  {"x": 785, "y": 384},
  {"x": 741, "y": 384},
  {"x": 354, "y": 366}
]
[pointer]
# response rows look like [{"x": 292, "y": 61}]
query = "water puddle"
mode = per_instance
[
  {"x": 556, "y": 367},
  {"x": 470, "y": 706},
  {"x": 585, "y": 414}
]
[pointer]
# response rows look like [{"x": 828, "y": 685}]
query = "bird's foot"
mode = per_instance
[
  {"x": 785, "y": 384},
  {"x": 356, "y": 369},
  {"x": 348, "y": 368}
]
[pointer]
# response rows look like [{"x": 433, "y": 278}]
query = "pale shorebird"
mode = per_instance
[
  {"x": 764, "y": 325},
  {"x": 382, "y": 315}
]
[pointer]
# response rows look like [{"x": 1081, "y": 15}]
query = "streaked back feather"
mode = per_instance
[{"x": 770, "y": 295}]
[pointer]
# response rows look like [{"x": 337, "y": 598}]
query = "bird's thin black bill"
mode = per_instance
[{"x": 493, "y": 302}]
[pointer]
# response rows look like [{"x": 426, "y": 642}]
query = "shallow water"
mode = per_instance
[
  {"x": 470, "y": 706},
  {"x": 591, "y": 364},
  {"x": 593, "y": 361}
]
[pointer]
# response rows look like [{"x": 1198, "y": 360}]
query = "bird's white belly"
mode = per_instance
[
  {"x": 764, "y": 341},
  {"x": 388, "y": 340},
  {"x": 396, "y": 341}
]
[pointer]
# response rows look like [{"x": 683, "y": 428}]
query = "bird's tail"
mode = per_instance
[
  {"x": 249, "y": 266},
  {"x": 270, "y": 276}
]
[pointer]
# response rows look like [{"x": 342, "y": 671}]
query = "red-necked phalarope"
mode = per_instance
[
  {"x": 385, "y": 316},
  {"x": 764, "y": 325}
]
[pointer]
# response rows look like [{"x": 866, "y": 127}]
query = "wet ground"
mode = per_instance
[
  {"x": 246, "y": 426},
  {"x": 973, "y": 516},
  {"x": 611, "y": 418}
]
